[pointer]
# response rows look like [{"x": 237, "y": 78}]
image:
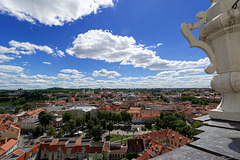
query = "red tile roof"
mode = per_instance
[{"x": 5, "y": 147}]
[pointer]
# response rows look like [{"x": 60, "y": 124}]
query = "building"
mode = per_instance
[
  {"x": 96, "y": 150},
  {"x": 8, "y": 147},
  {"x": 64, "y": 148},
  {"x": 29, "y": 123},
  {"x": 31, "y": 152},
  {"x": 8, "y": 132},
  {"x": 78, "y": 110},
  {"x": 167, "y": 137},
  {"x": 117, "y": 152}
]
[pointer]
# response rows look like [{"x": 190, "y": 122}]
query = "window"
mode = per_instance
[
  {"x": 135, "y": 148},
  {"x": 131, "y": 149},
  {"x": 140, "y": 149}
]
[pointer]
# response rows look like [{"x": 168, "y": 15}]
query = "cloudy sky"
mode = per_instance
[{"x": 99, "y": 43}]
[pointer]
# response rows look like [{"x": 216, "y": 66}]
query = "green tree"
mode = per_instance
[
  {"x": 126, "y": 117},
  {"x": 45, "y": 118},
  {"x": 148, "y": 124},
  {"x": 51, "y": 131},
  {"x": 180, "y": 116},
  {"x": 168, "y": 121},
  {"x": 90, "y": 125},
  {"x": 87, "y": 116},
  {"x": 110, "y": 127},
  {"x": 95, "y": 120},
  {"x": 27, "y": 106},
  {"x": 17, "y": 109},
  {"x": 97, "y": 132},
  {"x": 60, "y": 133},
  {"x": 103, "y": 124},
  {"x": 37, "y": 131},
  {"x": 70, "y": 126},
  {"x": 158, "y": 122},
  {"x": 196, "y": 124},
  {"x": 80, "y": 121},
  {"x": 67, "y": 116}
]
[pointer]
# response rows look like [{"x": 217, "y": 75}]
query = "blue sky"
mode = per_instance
[{"x": 101, "y": 43}]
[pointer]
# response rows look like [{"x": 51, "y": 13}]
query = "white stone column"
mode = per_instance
[{"x": 219, "y": 38}]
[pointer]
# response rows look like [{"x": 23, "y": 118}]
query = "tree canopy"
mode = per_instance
[{"x": 67, "y": 116}]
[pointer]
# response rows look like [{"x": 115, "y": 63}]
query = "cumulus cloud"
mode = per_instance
[
  {"x": 63, "y": 76},
  {"x": 103, "y": 45},
  {"x": 53, "y": 12},
  {"x": 49, "y": 63},
  {"x": 25, "y": 48},
  {"x": 181, "y": 72},
  {"x": 28, "y": 48},
  {"x": 72, "y": 71},
  {"x": 10, "y": 68},
  {"x": 105, "y": 73},
  {"x": 60, "y": 53},
  {"x": 4, "y": 58}
]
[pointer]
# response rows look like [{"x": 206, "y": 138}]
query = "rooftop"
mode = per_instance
[{"x": 219, "y": 140}]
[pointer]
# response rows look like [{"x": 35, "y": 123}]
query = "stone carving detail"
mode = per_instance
[
  {"x": 219, "y": 37},
  {"x": 186, "y": 29}
]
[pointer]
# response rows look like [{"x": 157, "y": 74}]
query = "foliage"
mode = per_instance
[
  {"x": 132, "y": 155},
  {"x": 180, "y": 116},
  {"x": 80, "y": 121},
  {"x": 60, "y": 133},
  {"x": 51, "y": 131},
  {"x": 70, "y": 126},
  {"x": 17, "y": 109},
  {"x": 97, "y": 132},
  {"x": 87, "y": 116},
  {"x": 110, "y": 127},
  {"x": 126, "y": 117},
  {"x": 45, "y": 118},
  {"x": 177, "y": 122},
  {"x": 37, "y": 131},
  {"x": 67, "y": 116},
  {"x": 27, "y": 106},
  {"x": 103, "y": 124},
  {"x": 90, "y": 125},
  {"x": 148, "y": 124},
  {"x": 199, "y": 101}
]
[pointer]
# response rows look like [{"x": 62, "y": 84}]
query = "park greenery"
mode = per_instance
[
  {"x": 177, "y": 122},
  {"x": 200, "y": 101},
  {"x": 93, "y": 125}
]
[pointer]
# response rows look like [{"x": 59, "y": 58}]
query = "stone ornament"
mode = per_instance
[
  {"x": 219, "y": 38},
  {"x": 186, "y": 29}
]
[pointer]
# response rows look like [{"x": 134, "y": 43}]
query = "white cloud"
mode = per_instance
[
  {"x": 103, "y": 45},
  {"x": 72, "y": 71},
  {"x": 155, "y": 46},
  {"x": 4, "y": 58},
  {"x": 28, "y": 48},
  {"x": 63, "y": 76},
  {"x": 60, "y": 53},
  {"x": 105, "y": 73},
  {"x": 52, "y": 12},
  {"x": 129, "y": 78},
  {"x": 49, "y": 63},
  {"x": 10, "y": 68},
  {"x": 181, "y": 72},
  {"x": 7, "y": 50},
  {"x": 111, "y": 77}
]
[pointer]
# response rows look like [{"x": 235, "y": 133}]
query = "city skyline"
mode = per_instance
[{"x": 99, "y": 44}]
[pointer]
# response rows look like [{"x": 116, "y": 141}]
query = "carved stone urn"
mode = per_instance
[{"x": 219, "y": 38}]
